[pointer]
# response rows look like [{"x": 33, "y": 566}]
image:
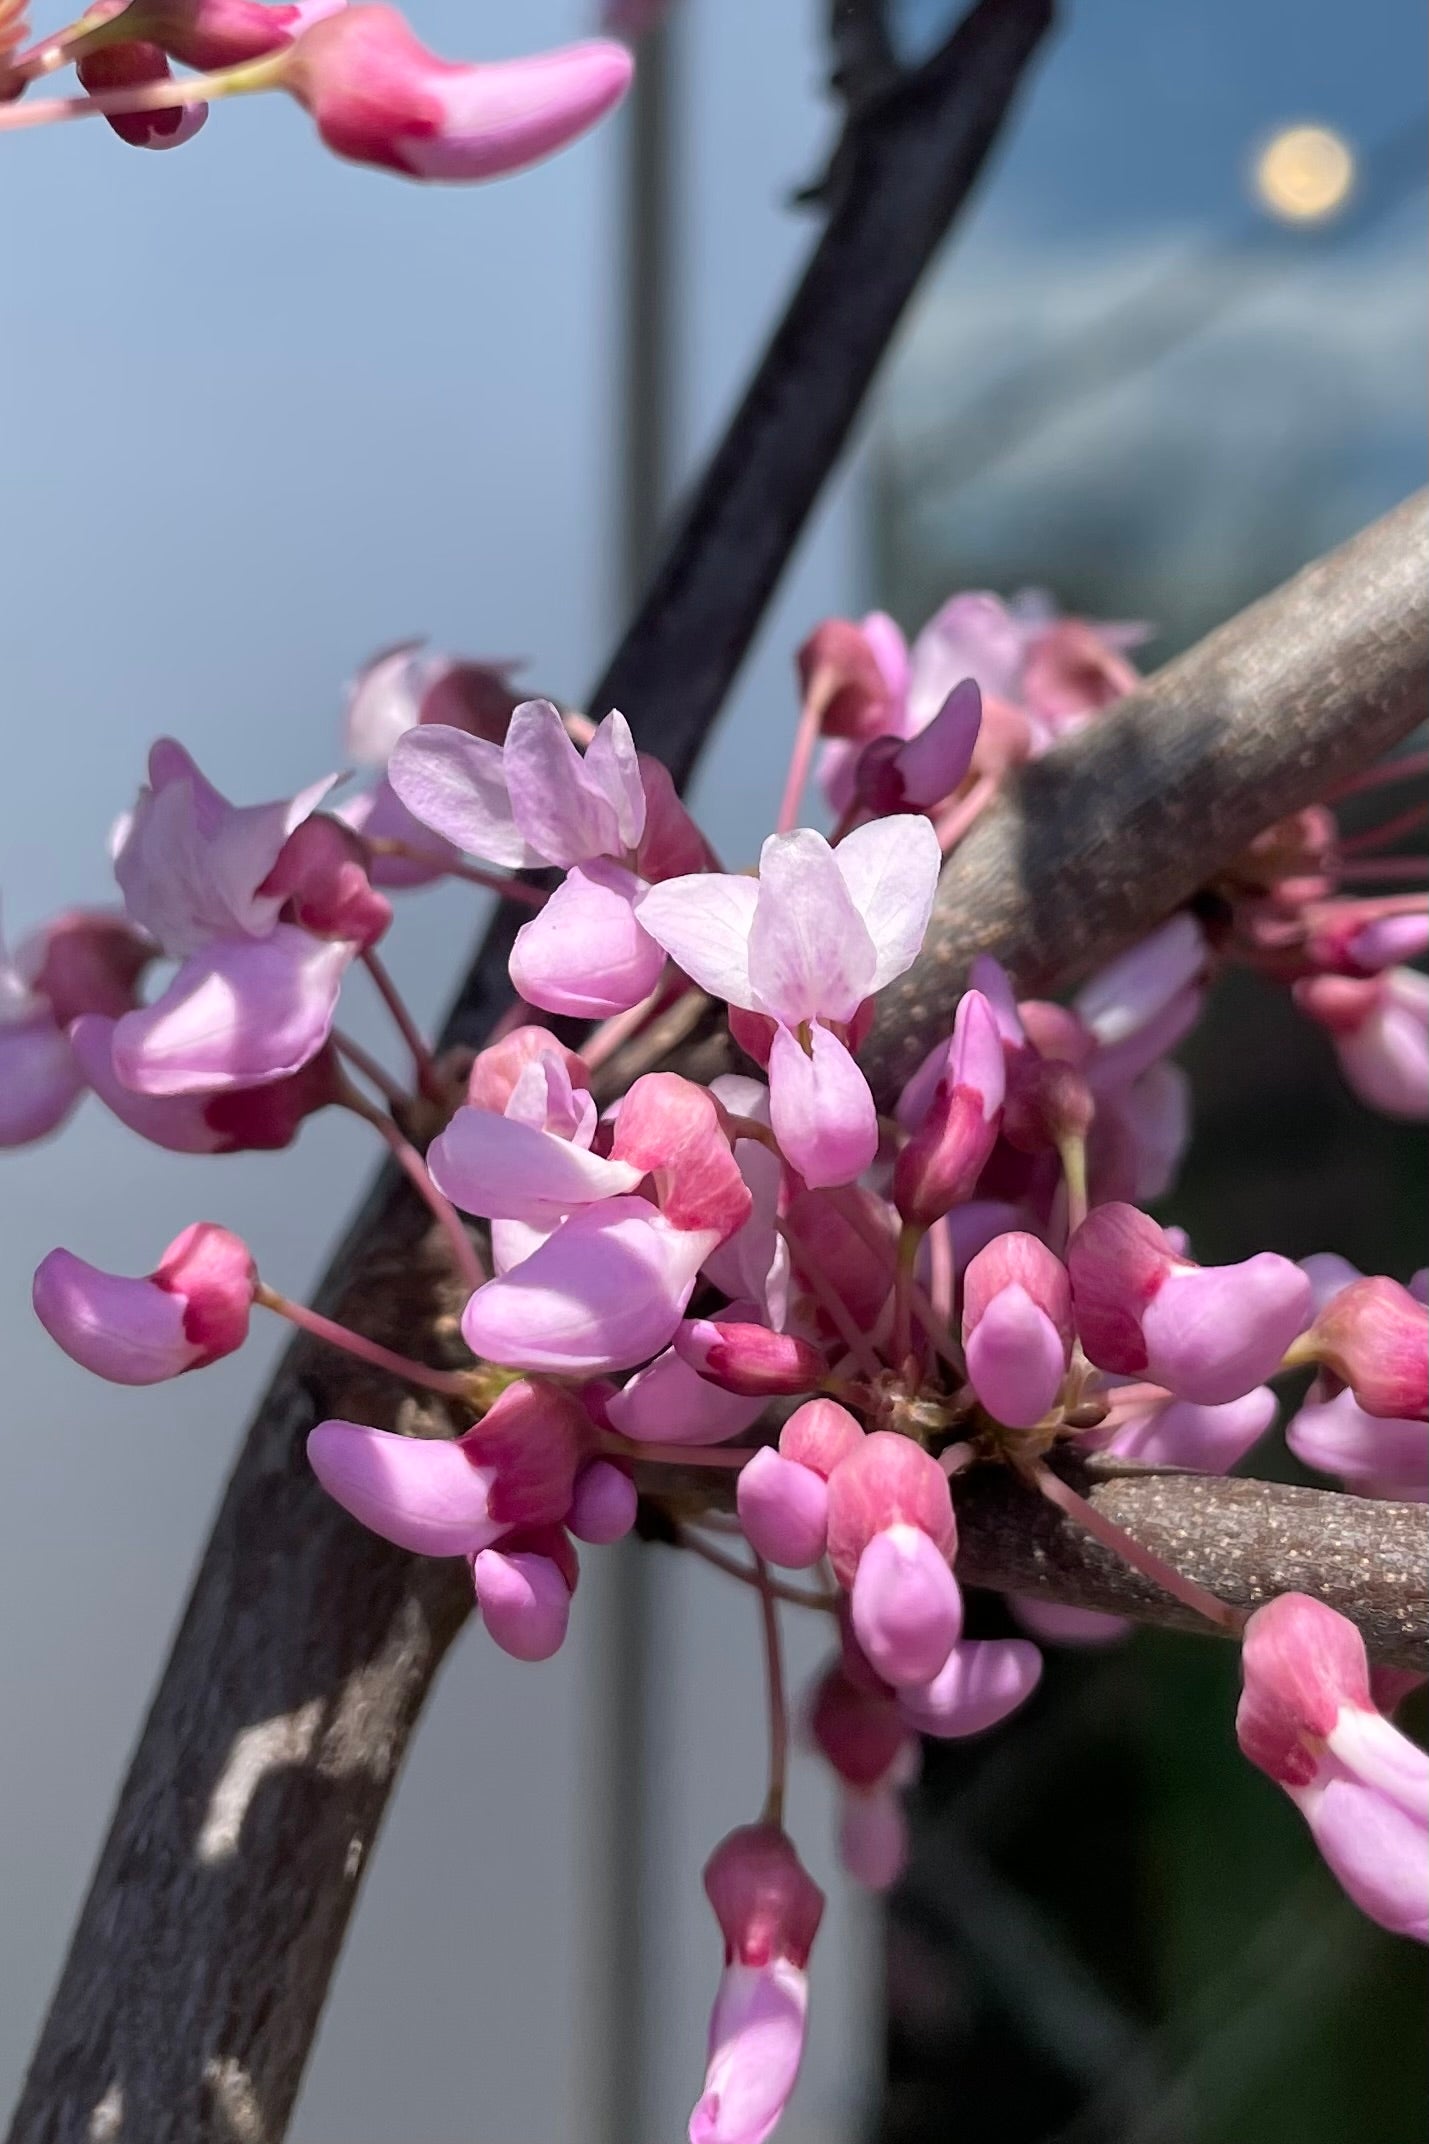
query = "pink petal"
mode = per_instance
[
  {"x": 1386, "y": 1059},
  {"x": 500, "y": 117},
  {"x": 1056, "y": 1624},
  {"x": 809, "y": 950},
  {"x": 873, "y": 1838},
  {"x": 704, "y": 923},
  {"x": 603, "y": 1505},
  {"x": 177, "y": 1122},
  {"x": 587, "y": 953},
  {"x": 906, "y": 1608},
  {"x": 604, "y": 1292},
  {"x": 1369, "y": 1452},
  {"x": 456, "y": 785},
  {"x": 1377, "y": 1851},
  {"x": 756, "y": 2045},
  {"x": 1140, "y": 983},
  {"x": 506, "y": 1171},
  {"x": 241, "y": 1013},
  {"x": 973, "y": 635},
  {"x": 424, "y": 1493},
  {"x": 40, "y": 1082},
  {"x": 569, "y": 809},
  {"x": 982, "y": 1681},
  {"x": 130, "y": 1331},
  {"x": 1016, "y": 1358},
  {"x": 890, "y": 650},
  {"x": 524, "y": 1600},
  {"x": 669, "y": 1403},
  {"x": 378, "y": 814},
  {"x": 1209, "y": 1440},
  {"x": 935, "y": 759},
  {"x": 890, "y": 868},
  {"x": 1379, "y": 1756},
  {"x": 784, "y": 1510},
  {"x": 611, "y": 771},
  {"x": 821, "y": 1108},
  {"x": 1214, "y": 1332}
]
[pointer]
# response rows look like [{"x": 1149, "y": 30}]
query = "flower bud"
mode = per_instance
[
  {"x": 981, "y": 1682},
  {"x": 1017, "y": 1328},
  {"x": 497, "y": 1069},
  {"x": 784, "y": 1510},
  {"x": 1380, "y": 1031},
  {"x": 897, "y": 774},
  {"x": 891, "y": 1537},
  {"x": 603, "y": 1503},
  {"x": 523, "y": 1590},
  {"x": 769, "y": 1912},
  {"x": 843, "y": 686},
  {"x": 858, "y": 1730},
  {"x": 1374, "y": 1337},
  {"x": 321, "y": 877},
  {"x": 135, "y": 65},
  {"x": 766, "y": 1903},
  {"x": 191, "y": 1310},
  {"x": 1207, "y": 1333},
  {"x": 749, "y": 1358},
  {"x": 940, "y": 1164}
]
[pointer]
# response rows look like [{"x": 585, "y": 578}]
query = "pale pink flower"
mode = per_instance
[
  {"x": 1380, "y": 1031},
  {"x": 980, "y": 1684},
  {"x": 87, "y": 962},
  {"x": 192, "y": 1309},
  {"x": 804, "y": 945}
]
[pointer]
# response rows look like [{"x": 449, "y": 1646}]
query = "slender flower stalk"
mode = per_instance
[
  {"x": 371, "y": 1069},
  {"x": 450, "y": 1383},
  {"x": 777, "y": 1701},
  {"x": 428, "y": 1078},
  {"x": 464, "y": 1251},
  {"x": 1122, "y": 1544}
]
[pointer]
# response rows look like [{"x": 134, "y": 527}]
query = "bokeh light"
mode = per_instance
[{"x": 1305, "y": 174}]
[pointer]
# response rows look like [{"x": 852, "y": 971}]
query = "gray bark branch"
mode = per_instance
[{"x": 198, "y": 1970}]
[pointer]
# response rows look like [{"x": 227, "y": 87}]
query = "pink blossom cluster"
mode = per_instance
[
  {"x": 831, "y": 1311},
  {"x": 374, "y": 92}
]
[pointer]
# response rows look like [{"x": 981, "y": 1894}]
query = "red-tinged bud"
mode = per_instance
[
  {"x": 1374, "y": 1337},
  {"x": 136, "y": 66},
  {"x": 1071, "y": 670},
  {"x": 210, "y": 34},
  {"x": 859, "y": 1731},
  {"x": 857, "y": 1262},
  {"x": 886, "y": 1481},
  {"x": 532, "y": 1440},
  {"x": 942, "y": 1161},
  {"x": 1207, "y": 1333},
  {"x": 842, "y": 684},
  {"x": 766, "y": 1903},
  {"x": 675, "y": 1131},
  {"x": 496, "y": 1070},
  {"x": 1017, "y": 1328},
  {"x": 87, "y": 961},
  {"x": 750, "y": 1359},
  {"x": 193, "y": 1309},
  {"x": 896, "y": 774},
  {"x": 1048, "y": 1103},
  {"x": 321, "y": 876},
  {"x": 818, "y": 1435}
]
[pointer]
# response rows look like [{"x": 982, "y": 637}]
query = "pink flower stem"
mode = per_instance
[
  {"x": 1085, "y": 1514},
  {"x": 832, "y": 1303},
  {"x": 941, "y": 1274},
  {"x": 778, "y": 1704},
  {"x": 796, "y": 1596},
  {"x": 510, "y": 889},
  {"x": 364, "y": 1062},
  {"x": 934, "y": 1326},
  {"x": 428, "y": 1078},
  {"x": 1403, "y": 769},
  {"x": 805, "y": 738},
  {"x": 1361, "y": 868},
  {"x": 1375, "y": 837},
  {"x": 448, "y": 1382},
  {"x": 166, "y": 96},
  {"x": 464, "y": 1251},
  {"x": 52, "y": 53},
  {"x": 954, "y": 819},
  {"x": 614, "y": 1033}
]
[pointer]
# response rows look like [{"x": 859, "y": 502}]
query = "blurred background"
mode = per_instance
[{"x": 268, "y": 413}]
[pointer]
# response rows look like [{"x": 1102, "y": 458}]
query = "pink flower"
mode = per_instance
[
  {"x": 254, "y": 995},
  {"x": 259, "y": 1119},
  {"x": 439, "y": 1496},
  {"x": 380, "y": 97},
  {"x": 1380, "y": 1031},
  {"x": 769, "y": 1911},
  {"x": 1178, "y": 1433},
  {"x": 1374, "y": 1337},
  {"x": 669, "y": 1403},
  {"x": 1374, "y": 1455},
  {"x": 783, "y": 1495},
  {"x": 952, "y": 1108},
  {"x": 1017, "y": 1328},
  {"x": 187, "y": 1313},
  {"x": 85, "y": 962},
  {"x": 523, "y": 1590},
  {"x": 532, "y": 1162},
  {"x": 207, "y": 34},
  {"x": 804, "y": 945},
  {"x": 918, "y": 772},
  {"x": 1307, "y": 1719},
  {"x": 1207, "y": 1333},
  {"x": 982, "y": 1681},
  {"x": 891, "y": 1538},
  {"x": 135, "y": 64}
]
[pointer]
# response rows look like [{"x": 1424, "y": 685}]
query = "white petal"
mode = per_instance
[
  {"x": 809, "y": 953},
  {"x": 891, "y": 870}
]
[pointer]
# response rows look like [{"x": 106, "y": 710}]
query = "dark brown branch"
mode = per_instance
[
  {"x": 201, "y": 1961},
  {"x": 1115, "y": 829}
]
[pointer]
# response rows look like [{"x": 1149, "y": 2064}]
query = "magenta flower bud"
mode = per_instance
[
  {"x": 191, "y": 1310},
  {"x": 784, "y": 1510},
  {"x": 675, "y": 1131},
  {"x": 873, "y": 1838},
  {"x": 818, "y": 1435},
  {"x": 1017, "y": 1328},
  {"x": 942, "y": 1161},
  {"x": 843, "y": 684},
  {"x": 496, "y": 1070},
  {"x": 887, "y": 1480},
  {"x": 982, "y": 1681},
  {"x": 135, "y": 65},
  {"x": 906, "y": 1608},
  {"x": 524, "y": 1598},
  {"x": 379, "y": 97},
  {"x": 321, "y": 878},
  {"x": 1207, "y": 1333},
  {"x": 1388, "y": 941},
  {"x": 603, "y": 1504},
  {"x": 1374, "y": 1337},
  {"x": 749, "y": 1358},
  {"x": 1380, "y": 1031},
  {"x": 1307, "y": 1719},
  {"x": 858, "y": 1729},
  {"x": 766, "y": 1903},
  {"x": 769, "y": 1911}
]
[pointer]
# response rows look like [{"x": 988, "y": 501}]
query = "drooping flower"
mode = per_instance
[
  {"x": 1307, "y": 1719},
  {"x": 783, "y": 1495},
  {"x": 769, "y": 1911},
  {"x": 87, "y": 962},
  {"x": 1380, "y": 1030},
  {"x": 820, "y": 931},
  {"x": 891, "y": 1539},
  {"x": 191, "y": 1310}
]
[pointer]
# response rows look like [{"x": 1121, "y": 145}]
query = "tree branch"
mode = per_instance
[{"x": 198, "y": 1971}]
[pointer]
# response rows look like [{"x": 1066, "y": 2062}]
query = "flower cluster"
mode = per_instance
[
  {"x": 828, "y": 1310},
  {"x": 374, "y": 92}
]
